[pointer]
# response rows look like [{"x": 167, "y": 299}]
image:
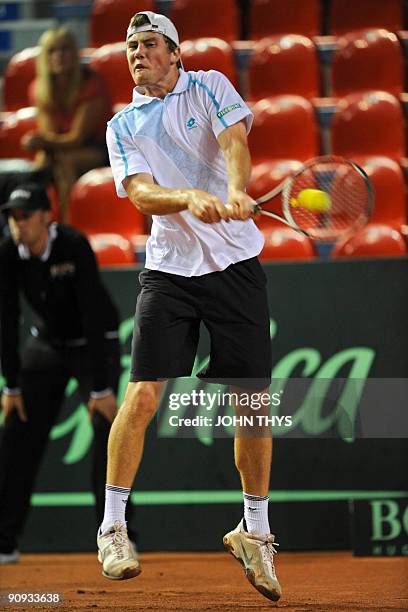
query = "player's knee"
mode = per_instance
[{"x": 141, "y": 400}]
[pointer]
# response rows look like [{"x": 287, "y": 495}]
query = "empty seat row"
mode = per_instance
[
  {"x": 289, "y": 64},
  {"x": 110, "y": 18},
  {"x": 311, "y": 17},
  {"x": 285, "y": 127},
  {"x": 373, "y": 240},
  {"x": 363, "y": 59},
  {"x": 95, "y": 209},
  {"x": 280, "y": 244},
  {"x": 118, "y": 231},
  {"x": 366, "y": 123},
  {"x": 110, "y": 61},
  {"x": 365, "y": 128}
]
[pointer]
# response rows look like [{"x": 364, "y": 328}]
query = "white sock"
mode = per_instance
[
  {"x": 256, "y": 514},
  {"x": 115, "y": 506}
]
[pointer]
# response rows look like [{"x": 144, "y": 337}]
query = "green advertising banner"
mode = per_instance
[{"x": 380, "y": 527}]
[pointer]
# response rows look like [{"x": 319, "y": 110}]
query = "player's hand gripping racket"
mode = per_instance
[{"x": 326, "y": 199}]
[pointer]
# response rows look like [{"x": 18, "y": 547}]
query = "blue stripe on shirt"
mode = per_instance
[
  {"x": 122, "y": 152},
  {"x": 211, "y": 96}
]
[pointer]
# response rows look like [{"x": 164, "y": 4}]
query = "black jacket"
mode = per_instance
[{"x": 66, "y": 294}]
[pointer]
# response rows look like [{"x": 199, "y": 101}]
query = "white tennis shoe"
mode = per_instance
[
  {"x": 255, "y": 553},
  {"x": 12, "y": 557},
  {"x": 117, "y": 553}
]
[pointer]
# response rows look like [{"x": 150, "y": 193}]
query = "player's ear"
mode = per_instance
[{"x": 175, "y": 55}]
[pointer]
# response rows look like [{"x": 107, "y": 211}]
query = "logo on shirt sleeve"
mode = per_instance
[{"x": 228, "y": 109}]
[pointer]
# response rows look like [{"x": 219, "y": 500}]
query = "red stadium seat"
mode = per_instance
[
  {"x": 368, "y": 123},
  {"x": 112, "y": 250},
  {"x": 282, "y": 16},
  {"x": 209, "y": 54},
  {"x": 373, "y": 240},
  {"x": 13, "y": 129},
  {"x": 284, "y": 128},
  {"x": 200, "y": 18},
  {"x": 265, "y": 177},
  {"x": 19, "y": 73},
  {"x": 95, "y": 208},
  {"x": 284, "y": 65},
  {"x": 347, "y": 15},
  {"x": 286, "y": 243},
  {"x": 110, "y": 19},
  {"x": 389, "y": 190},
  {"x": 110, "y": 61},
  {"x": 368, "y": 59}
]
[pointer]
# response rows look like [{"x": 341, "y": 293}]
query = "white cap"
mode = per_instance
[{"x": 158, "y": 23}]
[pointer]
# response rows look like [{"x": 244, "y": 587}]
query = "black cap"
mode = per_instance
[{"x": 28, "y": 196}]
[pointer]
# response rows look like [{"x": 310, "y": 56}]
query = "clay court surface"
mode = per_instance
[{"x": 214, "y": 581}]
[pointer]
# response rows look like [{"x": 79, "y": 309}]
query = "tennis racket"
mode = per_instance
[{"x": 327, "y": 199}]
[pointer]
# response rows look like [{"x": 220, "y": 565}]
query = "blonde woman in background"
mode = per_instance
[{"x": 73, "y": 107}]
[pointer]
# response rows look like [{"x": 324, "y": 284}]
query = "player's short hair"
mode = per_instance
[{"x": 140, "y": 20}]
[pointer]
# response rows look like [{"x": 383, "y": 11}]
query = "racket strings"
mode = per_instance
[{"x": 345, "y": 207}]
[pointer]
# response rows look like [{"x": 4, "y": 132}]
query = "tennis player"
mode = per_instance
[{"x": 179, "y": 152}]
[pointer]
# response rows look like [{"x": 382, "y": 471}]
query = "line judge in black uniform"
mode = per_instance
[{"x": 75, "y": 335}]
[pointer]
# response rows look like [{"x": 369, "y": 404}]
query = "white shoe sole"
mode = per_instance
[
  {"x": 7, "y": 559},
  {"x": 273, "y": 595},
  {"x": 129, "y": 572}
]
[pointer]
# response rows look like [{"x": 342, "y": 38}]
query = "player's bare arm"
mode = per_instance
[
  {"x": 234, "y": 144},
  {"x": 152, "y": 199}
]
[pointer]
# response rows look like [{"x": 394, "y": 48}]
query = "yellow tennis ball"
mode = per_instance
[{"x": 312, "y": 199}]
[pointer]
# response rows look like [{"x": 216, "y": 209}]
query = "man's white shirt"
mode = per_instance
[{"x": 174, "y": 139}]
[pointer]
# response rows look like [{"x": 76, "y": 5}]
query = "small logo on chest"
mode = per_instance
[{"x": 191, "y": 123}]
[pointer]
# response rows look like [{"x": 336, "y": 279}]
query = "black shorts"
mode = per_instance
[{"x": 232, "y": 305}]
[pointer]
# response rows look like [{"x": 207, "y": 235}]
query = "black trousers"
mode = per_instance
[{"x": 46, "y": 370}]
